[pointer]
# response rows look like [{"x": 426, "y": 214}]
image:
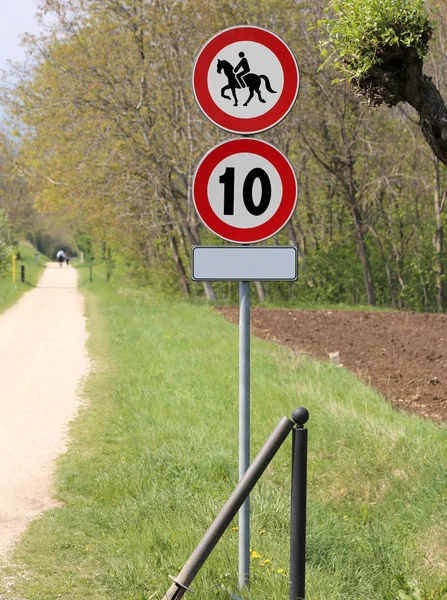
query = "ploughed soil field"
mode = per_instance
[{"x": 402, "y": 355}]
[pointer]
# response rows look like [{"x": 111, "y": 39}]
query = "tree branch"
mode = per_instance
[{"x": 399, "y": 78}]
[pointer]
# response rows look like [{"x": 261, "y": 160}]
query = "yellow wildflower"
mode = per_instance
[{"x": 265, "y": 562}]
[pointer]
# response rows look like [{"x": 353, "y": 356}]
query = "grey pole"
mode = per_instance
[
  {"x": 244, "y": 428},
  {"x": 228, "y": 511}
]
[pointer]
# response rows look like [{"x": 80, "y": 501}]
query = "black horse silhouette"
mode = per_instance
[{"x": 251, "y": 80}]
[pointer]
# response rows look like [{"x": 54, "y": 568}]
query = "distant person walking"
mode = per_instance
[
  {"x": 67, "y": 258},
  {"x": 60, "y": 257}
]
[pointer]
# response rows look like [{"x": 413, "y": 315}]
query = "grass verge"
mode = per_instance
[
  {"x": 154, "y": 456},
  {"x": 10, "y": 292}
]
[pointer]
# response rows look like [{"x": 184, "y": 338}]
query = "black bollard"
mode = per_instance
[
  {"x": 22, "y": 273},
  {"x": 298, "y": 506}
]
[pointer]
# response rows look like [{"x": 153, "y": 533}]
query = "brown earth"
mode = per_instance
[{"x": 402, "y": 355}]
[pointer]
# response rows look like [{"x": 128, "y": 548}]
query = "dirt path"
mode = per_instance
[
  {"x": 42, "y": 360},
  {"x": 402, "y": 355}
]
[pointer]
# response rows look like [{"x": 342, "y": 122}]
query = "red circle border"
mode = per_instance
[
  {"x": 249, "y": 235},
  {"x": 209, "y": 52}
]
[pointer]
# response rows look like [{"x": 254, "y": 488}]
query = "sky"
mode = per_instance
[{"x": 16, "y": 17}]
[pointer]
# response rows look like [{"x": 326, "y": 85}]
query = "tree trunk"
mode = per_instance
[
  {"x": 438, "y": 241},
  {"x": 433, "y": 115},
  {"x": 293, "y": 241},
  {"x": 210, "y": 294},
  {"x": 179, "y": 267},
  {"x": 363, "y": 255},
  {"x": 309, "y": 211},
  {"x": 398, "y": 262},
  {"x": 399, "y": 78},
  {"x": 194, "y": 239},
  {"x": 260, "y": 291},
  {"x": 387, "y": 266}
]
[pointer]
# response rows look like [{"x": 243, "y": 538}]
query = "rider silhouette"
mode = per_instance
[{"x": 242, "y": 64}]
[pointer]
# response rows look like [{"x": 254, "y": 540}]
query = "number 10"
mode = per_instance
[{"x": 247, "y": 191}]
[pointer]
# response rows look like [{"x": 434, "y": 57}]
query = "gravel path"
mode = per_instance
[{"x": 42, "y": 361}]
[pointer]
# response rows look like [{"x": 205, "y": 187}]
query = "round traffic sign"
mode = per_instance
[
  {"x": 244, "y": 190},
  {"x": 245, "y": 79}
]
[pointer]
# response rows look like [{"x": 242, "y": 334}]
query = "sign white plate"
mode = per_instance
[{"x": 244, "y": 263}]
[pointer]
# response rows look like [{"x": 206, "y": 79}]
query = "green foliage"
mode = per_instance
[
  {"x": 85, "y": 245},
  {"x": 10, "y": 292},
  {"x": 359, "y": 32},
  {"x": 5, "y": 242},
  {"x": 111, "y": 133},
  {"x": 403, "y": 589},
  {"x": 332, "y": 275}
]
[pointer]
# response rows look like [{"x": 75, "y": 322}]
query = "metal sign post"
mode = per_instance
[
  {"x": 244, "y": 264},
  {"x": 244, "y": 428},
  {"x": 245, "y": 80}
]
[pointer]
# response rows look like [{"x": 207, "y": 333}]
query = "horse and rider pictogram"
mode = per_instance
[{"x": 242, "y": 79}]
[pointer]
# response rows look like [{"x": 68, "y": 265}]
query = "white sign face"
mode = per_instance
[
  {"x": 253, "y": 179},
  {"x": 244, "y": 263},
  {"x": 241, "y": 102},
  {"x": 244, "y": 190},
  {"x": 245, "y": 79}
]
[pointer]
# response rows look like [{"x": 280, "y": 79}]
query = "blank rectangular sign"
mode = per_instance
[{"x": 244, "y": 263}]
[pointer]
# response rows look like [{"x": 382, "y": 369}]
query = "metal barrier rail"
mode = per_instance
[{"x": 300, "y": 416}]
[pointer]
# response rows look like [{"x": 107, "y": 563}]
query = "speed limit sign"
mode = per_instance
[{"x": 244, "y": 190}]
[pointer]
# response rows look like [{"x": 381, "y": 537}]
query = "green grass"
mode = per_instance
[
  {"x": 297, "y": 304},
  {"x": 301, "y": 305},
  {"x": 10, "y": 292},
  {"x": 154, "y": 456}
]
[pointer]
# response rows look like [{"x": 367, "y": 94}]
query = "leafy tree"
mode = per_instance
[
  {"x": 113, "y": 133},
  {"x": 15, "y": 200},
  {"x": 110, "y": 135}
]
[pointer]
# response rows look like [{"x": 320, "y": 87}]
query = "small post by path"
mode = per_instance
[
  {"x": 91, "y": 273},
  {"x": 298, "y": 506},
  {"x": 22, "y": 273}
]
